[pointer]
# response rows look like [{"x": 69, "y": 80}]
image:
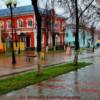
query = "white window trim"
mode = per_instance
[
  {"x": 27, "y": 22},
  {"x": 18, "y": 23}
]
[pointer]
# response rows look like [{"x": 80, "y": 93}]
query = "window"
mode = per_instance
[
  {"x": 9, "y": 24},
  {"x": 29, "y": 23},
  {"x": 20, "y": 23}
]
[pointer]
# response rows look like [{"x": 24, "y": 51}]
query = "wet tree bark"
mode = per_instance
[
  {"x": 92, "y": 31},
  {"x": 76, "y": 35},
  {"x": 47, "y": 33},
  {"x": 83, "y": 36},
  {"x": 39, "y": 21}
]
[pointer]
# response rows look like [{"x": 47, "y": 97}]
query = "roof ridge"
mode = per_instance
[{"x": 21, "y": 10}]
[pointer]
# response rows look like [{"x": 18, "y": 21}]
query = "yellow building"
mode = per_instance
[{"x": 2, "y": 46}]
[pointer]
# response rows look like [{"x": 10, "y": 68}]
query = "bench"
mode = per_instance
[{"x": 30, "y": 55}]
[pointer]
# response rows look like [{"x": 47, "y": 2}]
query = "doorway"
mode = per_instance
[{"x": 27, "y": 41}]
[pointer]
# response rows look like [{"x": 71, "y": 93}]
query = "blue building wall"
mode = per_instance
[{"x": 69, "y": 38}]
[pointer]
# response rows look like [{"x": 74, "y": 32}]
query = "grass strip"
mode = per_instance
[{"x": 29, "y": 78}]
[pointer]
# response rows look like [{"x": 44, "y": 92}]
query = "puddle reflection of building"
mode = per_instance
[
  {"x": 40, "y": 95},
  {"x": 76, "y": 83},
  {"x": 40, "y": 88}
]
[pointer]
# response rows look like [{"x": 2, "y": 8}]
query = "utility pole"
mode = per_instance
[{"x": 12, "y": 4}]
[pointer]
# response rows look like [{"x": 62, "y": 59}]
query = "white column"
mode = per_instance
[
  {"x": 35, "y": 38},
  {"x": 35, "y": 33}
]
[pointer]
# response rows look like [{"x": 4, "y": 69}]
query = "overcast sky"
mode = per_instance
[
  {"x": 28, "y": 2},
  {"x": 20, "y": 3}
]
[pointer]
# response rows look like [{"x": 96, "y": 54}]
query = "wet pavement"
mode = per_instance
[
  {"x": 83, "y": 84},
  {"x": 6, "y": 67}
]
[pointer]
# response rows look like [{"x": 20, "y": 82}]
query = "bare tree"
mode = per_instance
[
  {"x": 91, "y": 17},
  {"x": 76, "y": 14},
  {"x": 76, "y": 11},
  {"x": 38, "y": 19}
]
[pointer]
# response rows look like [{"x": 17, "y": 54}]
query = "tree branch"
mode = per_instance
[{"x": 86, "y": 8}]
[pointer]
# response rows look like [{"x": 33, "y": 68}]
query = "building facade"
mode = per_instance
[
  {"x": 86, "y": 36},
  {"x": 25, "y": 29}
]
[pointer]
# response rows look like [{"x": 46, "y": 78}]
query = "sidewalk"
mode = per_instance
[
  {"x": 6, "y": 67},
  {"x": 82, "y": 84}
]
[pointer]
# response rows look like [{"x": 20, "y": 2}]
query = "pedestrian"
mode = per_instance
[{"x": 68, "y": 50}]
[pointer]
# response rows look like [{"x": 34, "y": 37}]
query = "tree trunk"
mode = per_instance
[
  {"x": 47, "y": 40},
  {"x": 92, "y": 31},
  {"x": 39, "y": 21},
  {"x": 47, "y": 33},
  {"x": 76, "y": 35},
  {"x": 83, "y": 37}
]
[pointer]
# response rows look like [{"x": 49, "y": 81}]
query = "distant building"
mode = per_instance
[
  {"x": 24, "y": 27},
  {"x": 85, "y": 37}
]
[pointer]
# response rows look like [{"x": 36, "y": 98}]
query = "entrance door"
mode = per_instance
[{"x": 27, "y": 42}]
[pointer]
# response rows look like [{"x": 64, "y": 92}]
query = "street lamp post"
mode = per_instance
[{"x": 12, "y": 4}]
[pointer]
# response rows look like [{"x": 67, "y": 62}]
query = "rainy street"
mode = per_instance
[
  {"x": 82, "y": 84},
  {"x": 49, "y": 49}
]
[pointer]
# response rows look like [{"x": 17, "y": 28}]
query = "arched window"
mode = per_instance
[
  {"x": 9, "y": 24},
  {"x": 29, "y": 23},
  {"x": 20, "y": 23}
]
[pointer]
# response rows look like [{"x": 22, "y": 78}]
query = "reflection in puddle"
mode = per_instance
[
  {"x": 76, "y": 83},
  {"x": 83, "y": 84}
]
